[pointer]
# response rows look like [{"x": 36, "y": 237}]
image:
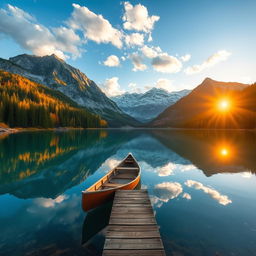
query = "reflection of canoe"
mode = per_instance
[
  {"x": 125, "y": 175},
  {"x": 95, "y": 221}
]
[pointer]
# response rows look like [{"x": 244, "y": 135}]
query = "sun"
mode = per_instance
[
  {"x": 224, "y": 151},
  {"x": 224, "y": 105}
]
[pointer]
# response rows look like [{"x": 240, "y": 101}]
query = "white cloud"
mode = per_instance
[
  {"x": 211, "y": 61},
  {"x": 134, "y": 39},
  {"x": 246, "y": 175},
  {"x": 166, "y": 191},
  {"x": 32, "y": 36},
  {"x": 186, "y": 196},
  {"x": 95, "y": 27},
  {"x": 137, "y": 62},
  {"x": 137, "y": 18},
  {"x": 111, "y": 163},
  {"x": 112, "y": 88},
  {"x": 164, "y": 83},
  {"x": 48, "y": 202},
  {"x": 112, "y": 61},
  {"x": 165, "y": 170},
  {"x": 185, "y": 58},
  {"x": 150, "y": 52},
  {"x": 165, "y": 63},
  {"x": 133, "y": 88},
  {"x": 222, "y": 199}
]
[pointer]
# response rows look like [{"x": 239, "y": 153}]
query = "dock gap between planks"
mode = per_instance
[{"x": 132, "y": 229}]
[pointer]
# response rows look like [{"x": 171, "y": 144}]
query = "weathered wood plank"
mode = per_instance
[
  {"x": 133, "y": 253},
  {"x": 132, "y": 210},
  {"x": 132, "y": 216},
  {"x": 147, "y": 221},
  {"x": 133, "y": 234},
  {"x": 132, "y": 229},
  {"x": 128, "y": 244}
]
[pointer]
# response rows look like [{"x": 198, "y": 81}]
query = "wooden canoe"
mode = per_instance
[{"x": 126, "y": 175}]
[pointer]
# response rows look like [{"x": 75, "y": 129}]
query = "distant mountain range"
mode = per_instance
[
  {"x": 198, "y": 109},
  {"x": 58, "y": 75},
  {"x": 70, "y": 90},
  {"x": 146, "y": 106}
]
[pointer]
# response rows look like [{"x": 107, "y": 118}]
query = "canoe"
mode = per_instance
[{"x": 126, "y": 175}]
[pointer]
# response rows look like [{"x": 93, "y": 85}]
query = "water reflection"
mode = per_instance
[
  {"x": 213, "y": 151},
  {"x": 47, "y": 164},
  {"x": 202, "y": 187}
]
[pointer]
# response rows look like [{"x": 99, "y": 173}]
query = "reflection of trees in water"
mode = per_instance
[
  {"x": 47, "y": 163},
  {"x": 213, "y": 151}
]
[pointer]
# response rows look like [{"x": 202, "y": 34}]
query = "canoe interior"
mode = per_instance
[{"x": 122, "y": 174}]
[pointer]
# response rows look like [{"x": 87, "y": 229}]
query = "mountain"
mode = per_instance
[
  {"x": 58, "y": 75},
  {"x": 199, "y": 108},
  {"x": 24, "y": 103},
  {"x": 146, "y": 106}
]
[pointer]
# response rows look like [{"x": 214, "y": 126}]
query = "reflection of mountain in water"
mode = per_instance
[
  {"x": 213, "y": 151},
  {"x": 150, "y": 150},
  {"x": 46, "y": 164}
]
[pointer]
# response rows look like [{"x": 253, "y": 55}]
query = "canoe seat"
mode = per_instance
[
  {"x": 124, "y": 176},
  {"x": 111, "y": 185},
  {"x": 127, "y": 168}
]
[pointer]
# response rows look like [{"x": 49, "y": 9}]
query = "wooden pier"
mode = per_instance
[{"x": 132, "y": 229}]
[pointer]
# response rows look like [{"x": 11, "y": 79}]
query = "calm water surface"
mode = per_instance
[{"x": 202, "y": 186}]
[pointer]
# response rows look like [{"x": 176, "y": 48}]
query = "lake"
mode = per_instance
[{"x": 202, "y": 186}]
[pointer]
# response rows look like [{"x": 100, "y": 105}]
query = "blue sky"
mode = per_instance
[{"x": 191, "y": 40}]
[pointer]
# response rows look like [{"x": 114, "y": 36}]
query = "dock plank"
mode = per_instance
[
  {"x": 133, "y": 253},
  {"x": 132, "y": 228}
]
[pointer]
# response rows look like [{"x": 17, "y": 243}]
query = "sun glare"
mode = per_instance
[
  {"x": 224, "y": 105},
  {"x": 224, "y": 151}
]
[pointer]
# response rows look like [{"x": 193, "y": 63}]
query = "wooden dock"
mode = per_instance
[{"x": 132, "y": 229}]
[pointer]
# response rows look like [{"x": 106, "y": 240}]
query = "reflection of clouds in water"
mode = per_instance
[
  {"x": 165, "y": 170},
  {"x": 246, "y": 175},
  {"x": 222, "y": 199},
  {"x": 109, "y": 164},
  {"x": 48, "y": 202},
  {"x": 186, "y": 168},
  {"x": 62, "y": 209},
  {"x": 165, "y": 191},
  {"x": 186, "y": 196}
]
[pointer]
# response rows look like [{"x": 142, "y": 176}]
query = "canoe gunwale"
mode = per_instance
[{"x": 87, "y": 191}]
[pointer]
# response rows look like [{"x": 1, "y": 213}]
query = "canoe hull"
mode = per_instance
[{"x": 94, "y": 199}]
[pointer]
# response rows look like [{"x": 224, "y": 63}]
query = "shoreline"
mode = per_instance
[{"x": 6, "y": 130}]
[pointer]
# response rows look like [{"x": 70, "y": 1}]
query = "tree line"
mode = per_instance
[{"x": 24, "y": 103}]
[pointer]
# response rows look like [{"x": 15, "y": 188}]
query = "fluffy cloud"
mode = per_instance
[
  {"x": 211, "y": 61},
  {"x": 111, "y": 163},
  {"x": 112, "y": 61},
  {"x": 164, "y": 83},
  {"x": 166, "y": 191},
  {"x": 48, "y": 202},
  {"x": 186, "y": 196},
  {"x": 32, "y": 36},
  {"x": 134, "y": 39},
  {"x": 165, "y": 170},
  {"x": 111, "y": 87},
  {"x": 95, "y": 27},
  {"x": 137, "y": 62},
  {"x": 247, "y": 175},
  {"x": 222, "y": 199},
  {"x": 165, "y": 63},
  {"x": 150, "y": 52},
  {"x": 133, "y": 88},
  {"x": 137, "y": 18},
  {"x": 185, "y": 58}
]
